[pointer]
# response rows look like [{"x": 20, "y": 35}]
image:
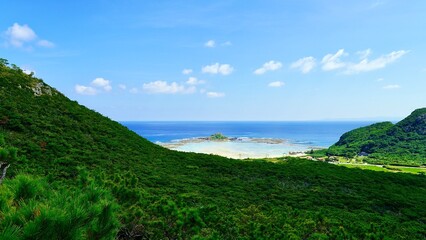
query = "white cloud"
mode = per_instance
[
  {"x": 332, "y": 61},
  {"x": 102, "y": 83},
  {"x": 21, "y": 36},
  {"x": 17, "y": 35},
  {"x": 217, "y": 68},
  {"x": 213, "y": 44},
  {"x": 365, "y": 65},
  {"x": 122, "y": 86},
  {"x": 305, "y": 64},
  {"x": 210, "y": 44},
  {"x": 268, "y": 66},
  {"x": 392, "y": 86},
  {"x": 364, "y": 54},
  {"x": 226, "y": 44},
  {"x": 134, "y": 90},
  {"x": 186, "y": 71},
  {"x": 380, "y": 79},
  {"x": 96, "y": 86},
  {"x": 45, "y": 43},
  {"x": 276, "y": 84},
  {"x": 194, "y": 81},
  {"x": 215, "y": 94},
  {"x": 166, "y": 88},
  {"x": 28, "y": 71},
  {"x": 84, "y": 90}
]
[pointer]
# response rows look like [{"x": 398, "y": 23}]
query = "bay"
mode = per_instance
[{"x": 297, "y": 136}]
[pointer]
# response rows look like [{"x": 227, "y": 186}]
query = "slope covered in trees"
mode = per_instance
[
  {"x": 386, "y": 143},
  {"x": 162, "y": 194}
]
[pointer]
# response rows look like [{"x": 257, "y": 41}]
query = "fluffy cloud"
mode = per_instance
[
  {"x": 166, "y": 88},
  {"x": 17, "y": 35},
  {"x": 215, "y": 94},
  {"x": 268, "y": 66},
  {"x": 96, "y": 86},
  {"x": 21, "y": 35},
  {"x": 84, "y": 90},
  {"x": 217, "y": 68},
  {"x": 305, "y": 64},
  {"x": 122, "y": 86},
  {"x": 194, "y": 81},
  {"x": 28, "y": 71},
  {"x": 186, "y": 71},
  {"x": 332, "y": 61},
  {"x": 226, "y": 44},
  {"x": 393, "y": 86},
  {"x": 102, "y": 83},
  {"x": 276, "y": 84},
  {"x": 210, "y": 44},
  {"x": 366, "y": 65},
  {"x": 45, "y": 43}
]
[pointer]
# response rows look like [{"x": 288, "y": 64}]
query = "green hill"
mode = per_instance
[
  {"x": 163, "y": 194},
  {"x": 385, "y": 143}
]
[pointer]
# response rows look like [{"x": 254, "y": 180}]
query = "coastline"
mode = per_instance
[{"x": 240, "y": 147}]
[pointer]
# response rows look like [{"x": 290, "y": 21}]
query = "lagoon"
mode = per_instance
[{"x": 294, "y": 136}]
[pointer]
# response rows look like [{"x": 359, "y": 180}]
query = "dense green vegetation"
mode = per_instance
[
  {"x": 385, "y": 143},
  {"x": 162, "y": 194},
  {"x": 30, "y": 210},
  {"x": 218, "y": 137},
  {"x": 8, "y": 155}
]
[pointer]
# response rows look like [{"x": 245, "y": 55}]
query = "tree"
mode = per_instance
[
  {"x": 30, "y": 208},
  {"x": 3, "y": 62}
]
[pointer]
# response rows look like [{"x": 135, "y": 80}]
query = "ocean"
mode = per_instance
[{"x": 254, "y": 139}]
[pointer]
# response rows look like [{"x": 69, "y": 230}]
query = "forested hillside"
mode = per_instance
[
  {"x": 385, "y": 143},
  {"x": 65, "y": 151}
]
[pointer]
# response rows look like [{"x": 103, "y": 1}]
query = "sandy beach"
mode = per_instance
[{"x": 240, "y": 148}]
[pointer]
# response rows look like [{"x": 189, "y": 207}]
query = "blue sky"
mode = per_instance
[{"x": 225, "y": 60}]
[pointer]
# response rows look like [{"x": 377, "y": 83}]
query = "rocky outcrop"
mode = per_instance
[{"x": 41, "y": 89}]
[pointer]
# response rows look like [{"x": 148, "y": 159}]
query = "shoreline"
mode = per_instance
[{"x": 240, "y": 147}]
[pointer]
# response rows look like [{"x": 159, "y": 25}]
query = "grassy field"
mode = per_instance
[
  {"x": 358, "y": 163},
  {"x": 399, "y": 169}
]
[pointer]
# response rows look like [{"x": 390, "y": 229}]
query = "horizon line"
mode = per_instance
[{"x": 317, "y": 120}]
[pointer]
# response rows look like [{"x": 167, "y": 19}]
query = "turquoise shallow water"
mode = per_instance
[
  {"x": 243, "y": 149},
  {"x": 322, "y": 134},
  {"x": 297, "y": 136}
]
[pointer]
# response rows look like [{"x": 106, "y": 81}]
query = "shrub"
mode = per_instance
[{"x": 29, "y": 209}]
